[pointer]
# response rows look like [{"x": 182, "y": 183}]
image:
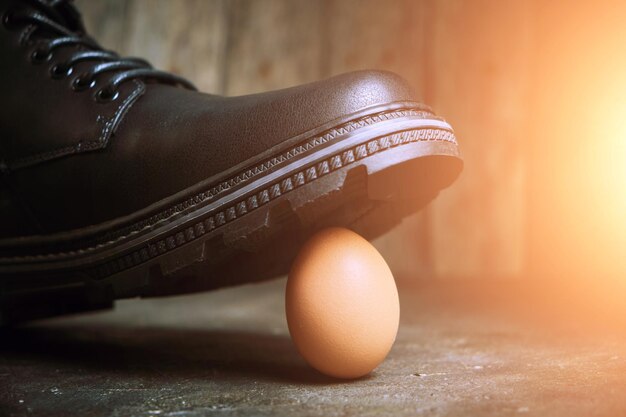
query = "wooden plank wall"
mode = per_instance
[{"x": 467, "y": 59}]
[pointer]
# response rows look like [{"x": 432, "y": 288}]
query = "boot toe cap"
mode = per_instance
[{"x": 355, "y": 91}]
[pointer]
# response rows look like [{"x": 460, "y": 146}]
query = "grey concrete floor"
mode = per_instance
[{"x": 477, "y": 349}]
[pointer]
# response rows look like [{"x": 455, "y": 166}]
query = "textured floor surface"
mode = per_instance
[{"x": 479, "y": 349}]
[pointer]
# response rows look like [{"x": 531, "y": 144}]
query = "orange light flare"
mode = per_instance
[
  {"x": 603, "y": 177},
  {"x": 577, "y": 191}
]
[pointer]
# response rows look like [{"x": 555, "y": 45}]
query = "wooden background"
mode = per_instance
[{"x": 487, "y": 66}]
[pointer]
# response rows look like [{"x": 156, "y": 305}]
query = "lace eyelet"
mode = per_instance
[
  {"x": 7, "y": 20},
  {"x": 82, "y": 83},
  {"x": 39, "y": 56},
  {"x": 106, "y": 95},
  {"x": 59, "y": 71}
]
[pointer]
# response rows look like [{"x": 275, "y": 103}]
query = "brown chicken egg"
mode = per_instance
[{"x": 342, "y": 304}]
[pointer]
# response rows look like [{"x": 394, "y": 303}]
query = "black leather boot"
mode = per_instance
[{"x": 118, "y": 180}]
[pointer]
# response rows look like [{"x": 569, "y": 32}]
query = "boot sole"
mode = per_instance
[{"x": 365, "y": 174}]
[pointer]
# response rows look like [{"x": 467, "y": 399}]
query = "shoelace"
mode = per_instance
[{"x": 61, "y": 19}]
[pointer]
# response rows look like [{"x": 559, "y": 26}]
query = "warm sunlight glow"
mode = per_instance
[
  {"x": 579, "y": 162},
  {"x": 604, "y": 179},
  {"x": 611, "y": 146}
]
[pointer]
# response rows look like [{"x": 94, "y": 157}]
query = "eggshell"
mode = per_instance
[{"x": 342, "y": 304}]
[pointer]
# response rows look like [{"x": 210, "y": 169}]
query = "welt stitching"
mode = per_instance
[
  {"x": 254, "y": 171},
  {"x": 270, "y": 192},
  {"x": 260, "y": 168},
  {"x": 305, "y": 175}
]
